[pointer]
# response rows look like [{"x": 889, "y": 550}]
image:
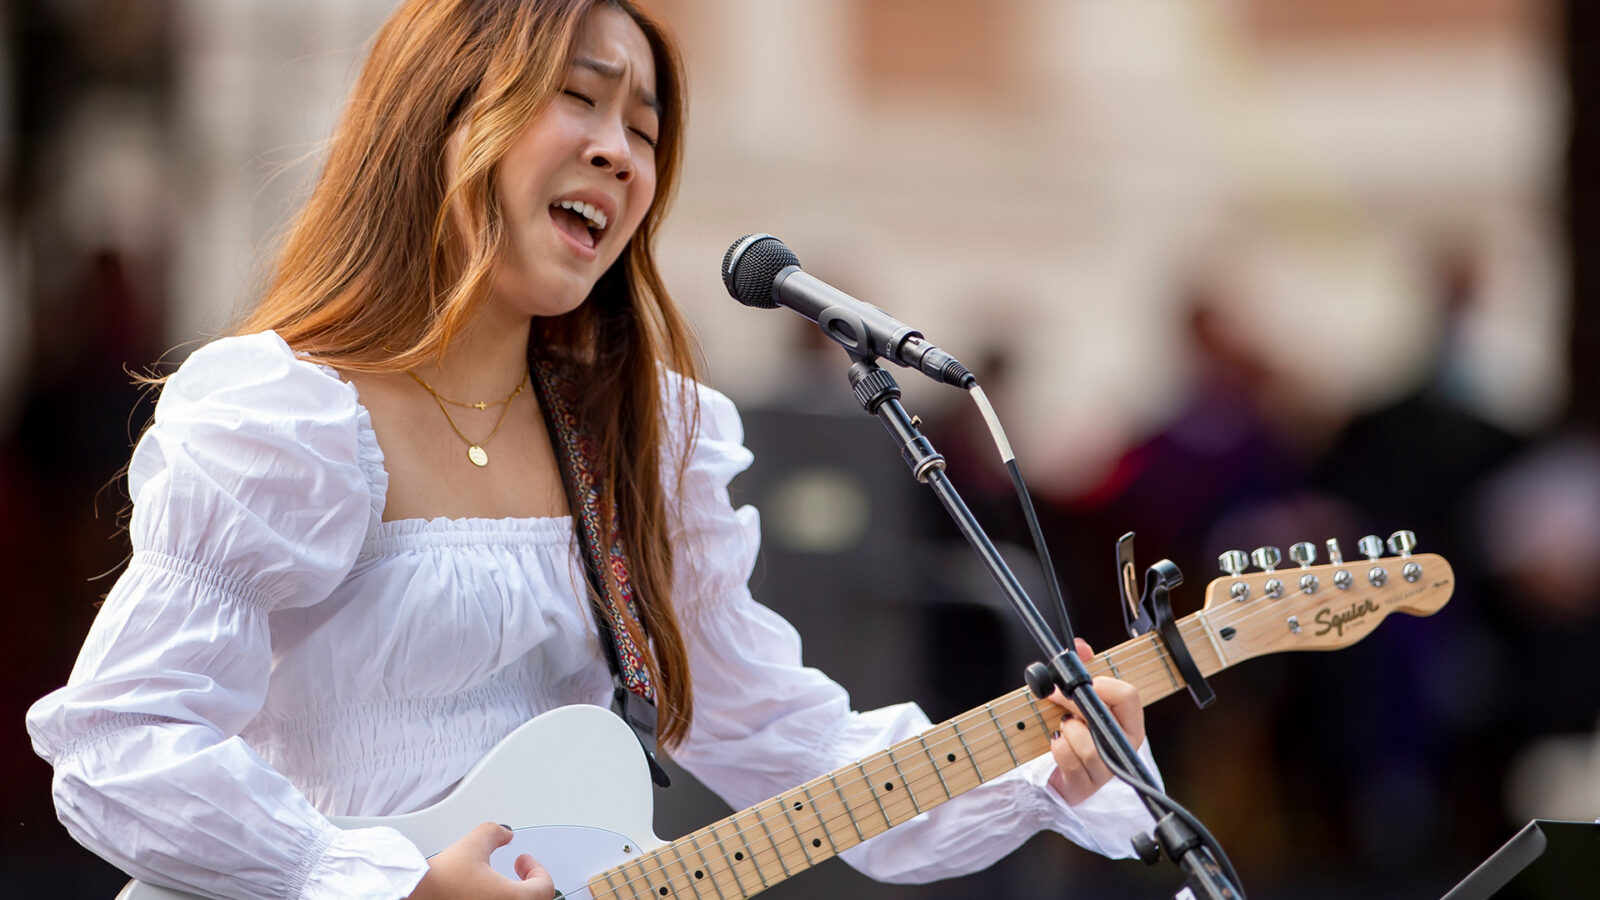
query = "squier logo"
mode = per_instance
[{"x": 1335, "y": 621}]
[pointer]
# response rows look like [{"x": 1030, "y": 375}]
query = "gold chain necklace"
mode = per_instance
[{"x": 475, "y": 452}]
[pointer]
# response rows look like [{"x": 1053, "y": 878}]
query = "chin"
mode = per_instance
[{"x": 528, "y": 298}]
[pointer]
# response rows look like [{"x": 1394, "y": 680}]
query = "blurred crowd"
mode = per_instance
[{"x": 1390, "y": 767}]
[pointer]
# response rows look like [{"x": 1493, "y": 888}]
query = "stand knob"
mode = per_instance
[
  {"x": 1233, "y": 562},
  {"x": 1372, "y": 546},
  {"x": 1039, "y": 679},
  {"x": 1146, "y": 849},
  {"x": 1402, "y": 542},
  {"x": 1304, "y": 553},
  {"x": 1267, "y": 558}
]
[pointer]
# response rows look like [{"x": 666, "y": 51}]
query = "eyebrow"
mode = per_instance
[{"x": 613, "y": 72}]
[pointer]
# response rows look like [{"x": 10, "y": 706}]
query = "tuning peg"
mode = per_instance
[
  {"x": 1402, "y": 543},
  {"x": 1335, "y": 555},
  {"x": 1304, "y": 553},
  {"x": 1234, "y": 562},
  {"x": 1266, "y": 558},
  {"x": 1371, "y": 546}
]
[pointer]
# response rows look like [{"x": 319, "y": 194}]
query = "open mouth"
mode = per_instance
[{"x": 583, "y": 222}]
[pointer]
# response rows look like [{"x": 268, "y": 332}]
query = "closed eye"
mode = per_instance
[
  {"x": 588, "y": 101},
  {"x": 645, "y": 136}
]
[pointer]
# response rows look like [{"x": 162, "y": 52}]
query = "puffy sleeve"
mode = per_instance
[
  {"x": 764, "y": 722},
  {"x": 248, "y": 497}
]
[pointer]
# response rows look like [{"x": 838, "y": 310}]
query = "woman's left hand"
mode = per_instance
[{"x": 1079, "y": 769}]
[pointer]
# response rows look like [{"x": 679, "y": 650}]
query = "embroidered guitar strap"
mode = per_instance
[{"x": 600, "y": 542}]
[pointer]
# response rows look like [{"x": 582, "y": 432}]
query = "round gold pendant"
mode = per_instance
[{"x": 478, "y": 455}]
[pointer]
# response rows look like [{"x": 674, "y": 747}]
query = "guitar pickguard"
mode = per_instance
[{"x": 572, "y": 854}]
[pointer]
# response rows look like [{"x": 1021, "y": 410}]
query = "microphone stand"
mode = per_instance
[{"x": 879, "y": 394}]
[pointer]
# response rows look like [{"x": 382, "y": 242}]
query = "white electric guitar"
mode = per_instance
[{"x": 573, "y": 783}]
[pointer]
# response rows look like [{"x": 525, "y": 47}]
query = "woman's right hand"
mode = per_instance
[{"x": 462, "y": 870}]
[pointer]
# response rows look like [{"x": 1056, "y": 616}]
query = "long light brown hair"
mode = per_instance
[{"x": 375, "y": 276}]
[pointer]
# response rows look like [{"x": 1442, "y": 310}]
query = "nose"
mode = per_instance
[{"x": 609, "y": 152}]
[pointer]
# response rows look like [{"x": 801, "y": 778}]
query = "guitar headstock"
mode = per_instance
[{"x": 1322, "y": 607}]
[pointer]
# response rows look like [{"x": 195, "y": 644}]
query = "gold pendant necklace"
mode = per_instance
[{"x": 475, "y": 452}]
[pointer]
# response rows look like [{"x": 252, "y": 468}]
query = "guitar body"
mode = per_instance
[{"x": 572, "y": 784}]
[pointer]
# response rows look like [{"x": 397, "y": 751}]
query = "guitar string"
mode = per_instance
[
  {"x": 1141, "y": 662},
  {"x": 990, "y": 750},
  {"x": 995, "y": 748},
  {"x": 781, "y": 849}
]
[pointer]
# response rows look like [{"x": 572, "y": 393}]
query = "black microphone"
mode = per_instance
[{"x": 758, "y": 270}]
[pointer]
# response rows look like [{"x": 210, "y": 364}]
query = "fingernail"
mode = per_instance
[
  {"x": 505, "y": 826},
  {"x": 1055, "y": 735}
]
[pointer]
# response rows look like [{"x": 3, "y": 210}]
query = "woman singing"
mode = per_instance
[{"x": 358, "y": 522}]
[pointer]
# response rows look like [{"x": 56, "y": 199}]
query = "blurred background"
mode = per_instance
[{"x": 1235, "y": 273}]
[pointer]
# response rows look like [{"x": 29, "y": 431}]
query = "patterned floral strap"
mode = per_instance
[
  {"x": 598, "y": 534},
  {"x": 604, "y": 563}
]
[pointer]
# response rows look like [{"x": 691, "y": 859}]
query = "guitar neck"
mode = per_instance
[{"x": 767, "y": 843}]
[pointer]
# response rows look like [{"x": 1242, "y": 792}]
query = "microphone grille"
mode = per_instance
[{"x": 750, "y": 266}]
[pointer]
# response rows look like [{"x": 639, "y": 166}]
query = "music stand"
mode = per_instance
[{"x": 1546, "y": 860}]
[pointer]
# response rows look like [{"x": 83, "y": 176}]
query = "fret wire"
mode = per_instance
[
  {"x": 821, "y": 822},
  {"x": 942, "y": 783},
  {"x": 706, "y": 863},
  {"x": 737, "y": 881},
  {"x": 1038, "y": 710},
  {"x": 802, "y": 838},
  {"x": 611, "y": 885},
  {"x": 888, "y": 823},
  {"x": 853, "y": 820},
  {"x": 905, "y": 781},
  {"x": 693, "y": 883},
  {"x": 754, "y": 860},
  {"x": 971, "y": 757},
  {"x": 1021, "y": 704},
  {"x": 644, "y": 876},
  {"x": 782, "y": 864},
  {"x": 632, "y": 883},
  {"x": 733, "y": 864},
  {"x": 1002, "y": 729},
  {"x": 1111, "y": 663}
]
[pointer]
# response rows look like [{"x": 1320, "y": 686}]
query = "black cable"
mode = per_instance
[
  {"x": 1160, "y": 798},
  {"x": 1150, "y": 792},
  {"x": 1042, "y": 550}
]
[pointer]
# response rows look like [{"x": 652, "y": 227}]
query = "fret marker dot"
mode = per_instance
[
  {"x": 816, "y": 842},
  {"x": 738, "y": 856},
  {"x": 663, "y": 892},
  {"x": 798, "y": 805},
  {"x": 1022, "y": 726},
  {"x": 699, "y": 874},
  {"x": 888, "y": 786},
  {"x": 951, "y": 757}
]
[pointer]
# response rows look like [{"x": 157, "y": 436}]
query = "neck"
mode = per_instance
[{"x": 487, "y": 360}]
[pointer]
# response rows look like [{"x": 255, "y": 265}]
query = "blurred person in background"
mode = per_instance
[{"x": 355, "y": 520}]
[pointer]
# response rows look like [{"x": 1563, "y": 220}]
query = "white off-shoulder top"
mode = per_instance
[{"x": 277, "y": 653}]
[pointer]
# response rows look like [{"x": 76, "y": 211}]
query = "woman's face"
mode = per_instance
[{"x": 578, "y": 180}]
